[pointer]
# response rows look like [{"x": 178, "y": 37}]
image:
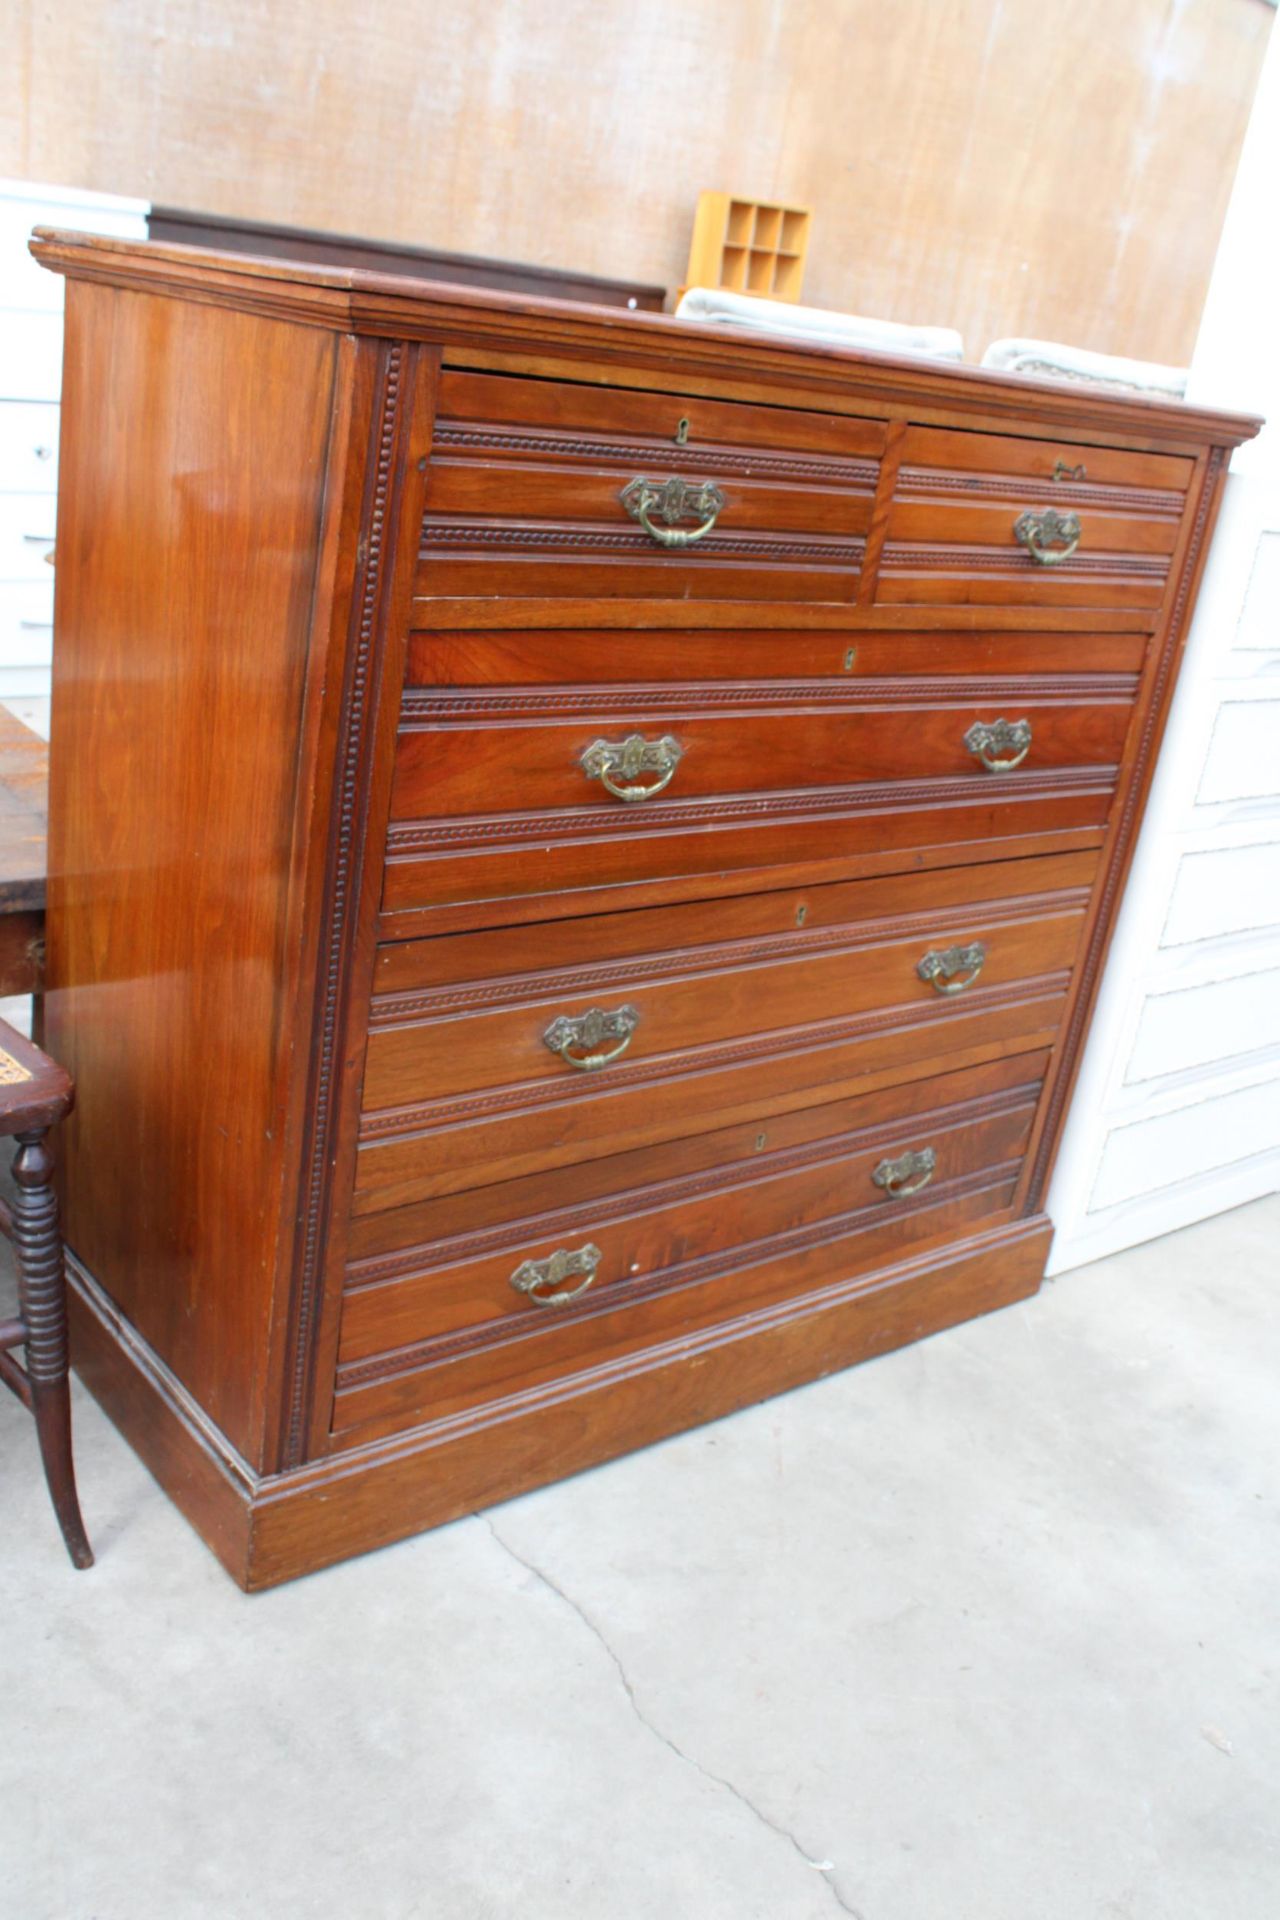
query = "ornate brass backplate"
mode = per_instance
[
  {"x": 1048, "y": 536},
  {"x": 999, "y": 744},
  {"x": 616, "y": 763},
  {"x": 569, "y": 1032},
  {"x": 531, "y": 1277},
  {"x": 952, "y": 969},
  {"x": 671, "y": 501},
  {"x": 907, "y": 1174}
]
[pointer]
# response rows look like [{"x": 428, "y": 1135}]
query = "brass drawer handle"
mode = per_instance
[
  {"x": 531, "y": 1276},
  {"x": 988, "y": 740},
  {"x": 943, "y": 969},
  {"x": 673, "y": 500},
  {"x": 907, "y": 1174},
  {"x": 610, "y": 760},
  {"x": 588, "y": 1030},
  {"x": 1048, "y": 536}
]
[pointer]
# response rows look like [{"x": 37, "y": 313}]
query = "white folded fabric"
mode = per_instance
[
  {"x": 720, "y": 308},
  {"x": 1050, "y": 360}
]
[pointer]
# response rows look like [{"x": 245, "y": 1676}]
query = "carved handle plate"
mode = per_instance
[
  {"x": 616, "y": 763},
  {"x": 952, "y": 969},
  {"x": 672, "y": 501},
  {"x": 570, "y": 1031},
  {"x": 535, "y": 1277},
  {"x": 907, "y": 1174},
  {"x": 1048, "y": 536},
  {"x": 999, "y": 744}
]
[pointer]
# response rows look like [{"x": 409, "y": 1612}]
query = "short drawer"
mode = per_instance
[
  {"x": 755, "y": 1212},
  {"x": 512, "y": 792},
  {"x": 621, "y": 1030},
  {"x": 544, "y": 488},
  {"x": 994, "y": 519}
]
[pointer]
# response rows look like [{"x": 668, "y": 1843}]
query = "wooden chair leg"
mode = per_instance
[{"x": 42, "y": 1293}]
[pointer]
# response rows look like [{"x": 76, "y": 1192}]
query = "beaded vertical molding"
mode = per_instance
[
  {"x": 342, "y": 890},
  {"x": 1118, "y": 863}
]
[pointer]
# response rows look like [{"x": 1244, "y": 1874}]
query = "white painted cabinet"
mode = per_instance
[
  {"x": 30, "y": 384},
  {"x": 1177, "y": 1111}
]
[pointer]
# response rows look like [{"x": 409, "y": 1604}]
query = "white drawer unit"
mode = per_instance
[
  {"x": 1177, "y": 1110},
  {"x": 30, "y": 385}
]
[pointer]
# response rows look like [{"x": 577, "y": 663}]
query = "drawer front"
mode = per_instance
[
  {"x": 27, "y": 537},
  {"x": 763, "y": 1210},
  {"x": 992, "y": 519},
  {"x": 541, "y": 656},
  {"x": 511, "y": 793},
  {"x": 632, "y": 1028},
  {"x": 542, "y": 488},
  {"x": 461, "y": 754},
  {"x": 26, "y": 619},
  {"x": 28, "y": 445}
]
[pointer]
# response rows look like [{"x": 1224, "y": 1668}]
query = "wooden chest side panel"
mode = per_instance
[{"x": 190, "y": 521}]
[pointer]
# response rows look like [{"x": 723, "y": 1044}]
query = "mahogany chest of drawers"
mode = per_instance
[{"x": 581, "y": 852}]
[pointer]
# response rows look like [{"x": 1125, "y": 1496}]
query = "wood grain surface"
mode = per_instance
[
  {"x": 328, "y": 867},
  {"x": 188, "y": 528},
  {"x": 993, "y": 165}
]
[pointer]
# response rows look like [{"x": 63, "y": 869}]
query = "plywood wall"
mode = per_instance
[{"x": 1056, "y": 168}]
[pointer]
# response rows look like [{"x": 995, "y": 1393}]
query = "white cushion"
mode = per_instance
[
  {"x": 720, "y": 308},
  {"x": 1050, "y": 360}
]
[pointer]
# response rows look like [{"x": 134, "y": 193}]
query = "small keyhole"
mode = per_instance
[
  {"x": 762, "y": 1141},
  {"x": 849, "y": 659},
  {"x": 682, "y": 432},
  {"x": 802, "y": 914}
]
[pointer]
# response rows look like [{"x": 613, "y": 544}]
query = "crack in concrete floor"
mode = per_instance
[{"x": 688, "y": 1759}]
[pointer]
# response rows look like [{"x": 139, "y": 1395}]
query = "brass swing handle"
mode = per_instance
[
  {"x": 589, "y": 1029},
  {"x": 671, "y": 501},
  {"x": 1048, "y": 536},
  {"x": 616, "y": 763},
  {"x": 907, "y": 1174},
  {"x": 952, "y": 969},
  {"x": 999, "y": 744},
  {"x": 531, "y": 1277}
]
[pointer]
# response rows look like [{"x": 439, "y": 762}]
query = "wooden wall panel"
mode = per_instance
[{"x": 1002, "y": 166}]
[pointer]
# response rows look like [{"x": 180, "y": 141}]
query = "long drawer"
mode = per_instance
[
  {"x": 540, "y": 487},
  {"x": 488, "y": 1059},
  {"x": 463, "y": 753},
  {"x": 545, "y": 656},
  {"x": 994, "y": 519},
  {"x": 501, "y": 793},
  {"x": 764, "y": 1211}
]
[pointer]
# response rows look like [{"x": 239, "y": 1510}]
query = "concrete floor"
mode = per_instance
[{"x": 986, "y": 1630}]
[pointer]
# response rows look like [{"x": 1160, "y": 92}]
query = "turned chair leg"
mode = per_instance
[{"x": 42, "y": 1296}]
